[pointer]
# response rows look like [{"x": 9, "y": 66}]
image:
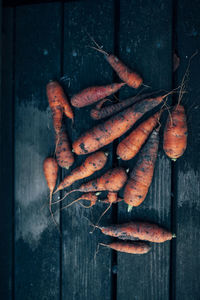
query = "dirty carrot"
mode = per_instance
[
  {"x": 131, "y": 78},
  {"x": 131, "y": 145},
  {"x": 93, "y": 94},
  {"x": 105, "y": 133},
  {"x": 141, "y": 176},
  {"x": 57, "y": 96},
  {"x": 56, "y": 108},
  {"x": 93, "y": 163},
  {"x": 100, "y": 112},
  {"x": 113, "y": 180},
  {"x": 64, "y": 155},
  {"x": 129, "y": 247},
  {"x": 138, "y": 230},
  {"x": 91, "y": 197},
  {"x": 50, "y": 169},
  {"x": 175, "y": 133}
]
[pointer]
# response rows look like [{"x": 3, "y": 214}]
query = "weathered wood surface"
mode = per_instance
[
  {"x": 37, "y": 243},
  {"x": 50, "y": 41},
  {"x": 84, "y": 276},
  {"x": 6, "y": 156},
  {"x": 145, "y": 34},
  {"x": 186, "y": 280}
]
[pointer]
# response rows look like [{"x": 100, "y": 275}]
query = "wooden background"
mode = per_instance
[{"x": 41, "y": 41}]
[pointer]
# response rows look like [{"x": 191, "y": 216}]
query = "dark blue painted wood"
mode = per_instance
[
  {"x": 6, "y": 157},
  {"x": 186, "y": 170},
  {"x": 145, "y": 43},
  {"x": 83, "y": 276},
  {"x": 37, "y": 243}
]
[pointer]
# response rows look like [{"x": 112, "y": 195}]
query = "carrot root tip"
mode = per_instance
[{"x": 130, "y": 207}]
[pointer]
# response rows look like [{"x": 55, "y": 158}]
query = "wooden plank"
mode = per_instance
[
  {"x": 83, "y": 276},
  {"x": 6, "y": 156},
  {"x": 37, "y": 244},
  {"x": 145, "y": 33},
  {"x": 187, "y": 169}
]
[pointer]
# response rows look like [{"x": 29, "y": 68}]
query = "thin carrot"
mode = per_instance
[
  {"x": 112, "y": 181},
  {"x": 175, "y": 133},
  {"x": 131, "y": 145},
  {"x": 57, "y": 96},
  {"x": 105, "y": 133},
  {"x": 64, "y": 155},
  {"x": 93, "y": 94},
  {"x": 141, "y": 176},
  {"x": 93, "y": 163},
  {"x": 138, "y": 230},
  {"x": 91, "y": 197},
  {"x": 50, "y": 168},
  {"x": 131, "y": 78},
  {"x": 129, "y": 247},
  {"x": 99, "y": 113}
]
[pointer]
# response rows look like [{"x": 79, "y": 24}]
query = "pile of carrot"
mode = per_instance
[{"x": 142, "y": 142}]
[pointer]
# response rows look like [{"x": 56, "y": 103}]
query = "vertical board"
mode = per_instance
[
  {"x": 83, "y": 275},
  {"x": 6, "y": 156},
  {"x": 187, "y": 168},
  {"x": 145, "y": 36},
  {"x": 37, "y": 244}
]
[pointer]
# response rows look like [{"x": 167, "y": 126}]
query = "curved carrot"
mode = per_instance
[
  {"x": 105, "y": 133},
  {"x": 138, "y": 230},
  {"x": 131, "y": 145},
  {"x": 93, "y": 163},
  {"x": 129, "y": 247},
  {"x": 56, "y": 95},
  {"x": 175, "y": 133},
  {"x": 141, "y": 176},
  {"x": 93, "y": 94},
  {"x": 64, "y": 155},
  {"x": 99, "y": 113}
]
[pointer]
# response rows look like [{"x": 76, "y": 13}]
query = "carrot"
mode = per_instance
[
  {"x": 50, "y": 168},
  {"x": 93, "y": 94},
  {"x": 141, "y": 176},
  {"x": 112, "y": 181},
  {"x": 56, "y": 108},
  {"x": 131, "y": 145},
  {"x": 175, "y": 133},
  {"x": 57, "y": 98},
  {"x": 93, "y": 163},
  {"x": 138, "y": 230},
  {"x": 64, "y": 155},
  {"x": 131, "y": 78},
  {"x": 99, "y": 113},
  {"x": 91, "y": 197},
  {"x": 105, "y": 133},
  {"x": 129, "y": 247}
]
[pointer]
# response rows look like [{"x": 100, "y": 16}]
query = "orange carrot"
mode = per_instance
[
  {"x": 93, "y": 94},
  {"x": 141, "y": 176},
  {"x": 64, "y": 155},
  {"x": 105, "y": 133},
  {"x": 100, "y": 112},
  {"x": 57, "y": 98},
  {"x": 129, "y": 247},
  {"x": 91, "y": 197},
  {"x": 175, "y": 133},
  {"x": 138, "y": 230},
  {"x": 131, "y": 78},
  {"x": 50, "y": 168},
  {"x": 93, "y": 163},
  {"x": 131, "y": 145},
  {"x": 113, "y": 180}
]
